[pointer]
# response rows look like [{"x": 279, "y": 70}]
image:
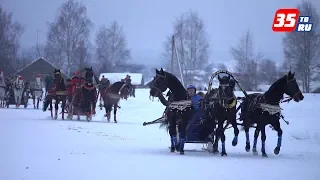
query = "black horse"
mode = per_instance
[
  {"x": 264, "y": 109},
  {"x": 111, "y": 96},
  {"x": 89, "y": 93},
  {"x": 179, "y": 109},
  {"x": 58, "y": 92},
  {"x": 225, "y": 109}
]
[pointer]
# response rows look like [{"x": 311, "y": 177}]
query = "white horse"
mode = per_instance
[
  {"x": 37, "y": 91},
  {"x": 2, "y": 89},
  {"x": 18, "y": 87}
]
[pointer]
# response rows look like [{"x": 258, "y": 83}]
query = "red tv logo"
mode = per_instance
[{"x": 285, "y": 20}]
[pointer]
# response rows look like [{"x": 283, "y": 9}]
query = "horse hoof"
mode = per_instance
[
  {"x": 254, "y": 151},
  {"x": 182, "y": 152},
  {"x": 247, "y": 147},
  {"x": 264, "y": 155},
  {"x": 234, "y": 142},
  {"x": 172, "y": 149},
  {"x": 224, "y": 154},
  {"x": 276, "y": 150}
]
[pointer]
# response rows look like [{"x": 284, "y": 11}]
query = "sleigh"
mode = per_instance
[
  {"x": 198, "y": 131},
  {"x": 78, "y": 106},
  {"x": 10, "y": 100}
]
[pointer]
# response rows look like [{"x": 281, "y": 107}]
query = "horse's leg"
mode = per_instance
[
  {"x": 256, "y": 135},
  {"x": 20, "y": 94},
  {"x": 220, "y": 133},
  {"x": 15, "y": 93},
  {"x": 173, "y": 131},
  {"x": 34, "y": 101},
  {"x": 115, "y": 107},
  {"x": 51, "y": 108},
  {"x": 56, "y": 107},
  {"x": 263, "y": 141},
  {"x": 277, "y": 127},
  {"x": 246, "y": 129},
  {"x": 108, "y": 111},
  {"x": 216, "y": 138},
  {"x": 38, "y": 101},
  {"x": 182, "y": 132},
  {"x": 63, "y": 106},
  {"x": 76, "y": 108},
  {"x": 233, "y": 120}
]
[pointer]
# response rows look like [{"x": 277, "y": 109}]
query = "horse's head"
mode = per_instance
[
  {"x": 38, "y": 78},
  {"x": 19, "y": 80},
  {"x": 125, "y": 90},
  {"x": 159, "y": 83},
  {"x": 291, "y": 88},
  {"x": 57, "y": 74},
  {"x": 226, "y": 87},
  {"x": 89, "y": 75}
]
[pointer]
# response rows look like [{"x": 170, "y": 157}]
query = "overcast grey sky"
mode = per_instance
[{"x": 147, "y": 22}]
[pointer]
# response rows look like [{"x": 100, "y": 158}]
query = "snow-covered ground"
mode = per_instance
[{"x": 34, "y": 147}]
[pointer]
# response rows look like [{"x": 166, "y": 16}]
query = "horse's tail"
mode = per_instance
[{"x": 164, "y": 123}]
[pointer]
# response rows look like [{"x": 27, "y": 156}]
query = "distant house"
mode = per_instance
[
  {"x": 39, "y": 66},
  {"x": 136, "y": 78}
]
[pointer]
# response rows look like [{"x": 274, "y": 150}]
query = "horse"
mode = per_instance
[
  {"x": 37, "y": 91},
  {"x": 85, "y": 95},
  {"x": 18, "y": 88},
  {"x": 3, "y": 88},
  {"x": 264, "y": 109},
  {"x": 179, "y": 109},
  {"x": 57, "y": 91},
  {"x": 111, "y": 96},
  {"x": 125, "y": 91},
  {"x": 225, "y": 109}
]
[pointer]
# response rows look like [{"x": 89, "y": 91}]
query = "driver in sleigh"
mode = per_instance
[{"x": 196, "y": 116}]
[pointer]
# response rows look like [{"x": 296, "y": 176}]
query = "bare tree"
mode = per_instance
[
  {"x": 246, "y": 61},
  {"x": 10, "y": 32},
  {"x": 268, "y": 71},
  {"x": 302, "y": 49},
  {"x": 111, "y": 47},
  {"x": 83, "y": 54},
  {"x": 192, "y": 45},
  {"x": 67, "y": 34}
]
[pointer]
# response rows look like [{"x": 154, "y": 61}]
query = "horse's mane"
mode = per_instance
[
  {"x": 115, "y": 87},
  {"x": 276, "y": 90},
  {"x": 179, "y": 92}
]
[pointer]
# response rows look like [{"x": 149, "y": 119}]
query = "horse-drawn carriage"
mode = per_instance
[
  {"x": 219, "y": 109},
  {"x": 17, "y": 93},
  {"x": 82, "y": 95},
  {"x": 201, "y": 126}
]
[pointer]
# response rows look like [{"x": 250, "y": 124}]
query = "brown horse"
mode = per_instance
[
  {"x": 58, "y": 92},
  {"x": 111, "y": 96}
]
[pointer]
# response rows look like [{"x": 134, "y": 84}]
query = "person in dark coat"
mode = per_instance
[
  {"x": 196, "y": 113},
  {"x": 48, "y": 81}
]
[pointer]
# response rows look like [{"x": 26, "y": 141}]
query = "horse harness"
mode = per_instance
[
  {"x": 155, "y": 80},
  {"x": 259, "y": 102}
]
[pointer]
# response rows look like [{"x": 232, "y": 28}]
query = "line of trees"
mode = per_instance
[
  {"x": 68, "y": 42},
  {"x": 301, "y": 50},
  {"x": 68, "y": 46}
]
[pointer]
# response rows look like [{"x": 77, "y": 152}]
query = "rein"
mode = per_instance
[{"x": 154, "y": 82}]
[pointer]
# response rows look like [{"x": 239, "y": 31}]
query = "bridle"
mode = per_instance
[
  {"x": 223, "y": 98},
  {"x": 154, "y": 84},
  {"x": 291, "y": 81}
]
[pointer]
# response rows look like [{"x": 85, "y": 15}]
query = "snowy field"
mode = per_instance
[{"x": 34, "y": 147}]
